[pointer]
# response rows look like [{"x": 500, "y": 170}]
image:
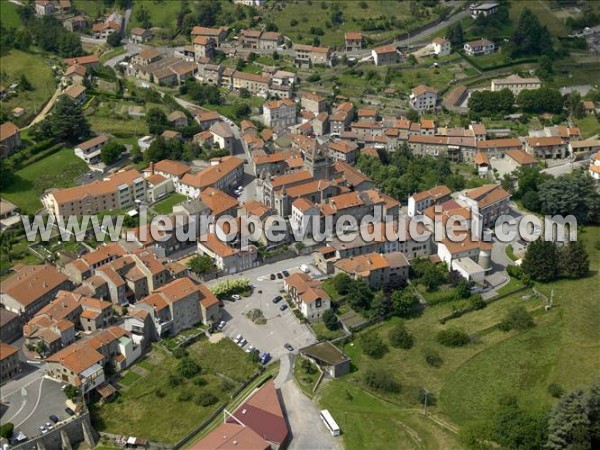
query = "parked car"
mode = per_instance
[
  {"x": 265, "y": 358},
  {"x": 221, "y": 324},
  {"x": 238, "y": 338},
  {"x": 277, "y": 299},
  {"x": 54, "y": 418},
  {"x": 272, "y": 276},
  {"x": 288, "y": 347},
  {"x": 285, "y": 273},
  {"x": 242, "y": 342},
  {"x": 49, "y": 426},
  {"x": 236, "y": 297},
  {"x": 250, "y": 349},
  {"x": 69, "y": 411},
  {"x": 279, "y": 275},
  {"x": 283, "y": 307},
  {"x": 304, "y": 268}
]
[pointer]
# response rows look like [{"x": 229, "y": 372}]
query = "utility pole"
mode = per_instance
[{"x": 426, "y": 392}]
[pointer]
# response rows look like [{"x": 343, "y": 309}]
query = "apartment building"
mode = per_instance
[
  {"x": 226, "y": 258},
  {"x": 341, "y": 118},
  {"x": 479, "y": 47},
  {"x": 423, "y": 98},
  {"x": 515, "y": 84},
  {"x": 279, "y": 113},
  {"x": 490, "y": 201},
  {"x": 256, "y": 84},
  {"x": 204, "y": 47},
  {"x": 117, "y": 191},
  {"x": 308, "y": 295},
  {"x": 225, "y": 174},
  {"x": 376, "y": 269},
  {"x": 10, "y": 365},
  {"x": 307, "y": 55},
  {"x": 419, "y": 202}
]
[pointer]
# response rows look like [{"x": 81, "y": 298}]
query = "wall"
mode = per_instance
[{"x": 78, "y": 429}]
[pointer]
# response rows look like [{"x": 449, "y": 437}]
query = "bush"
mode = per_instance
[
  {"x": 373, "y": 345},
  {"x": 227, "y": 385},
  {"x": 518, "y": 318},
  {"x": 184, "y": 396},
  {"x": 477, "y": 302},
  {"x": 159, "y": 393},
  {"x": 199, "y": 381},
  {"x": 555, "y": 390},
  {"x": 188, "y": 368},
  {"x": 174, "y": 380},
  {"x": 330, "y": 320},
  {"x": 6, "y": 430},
  {"x": 206, "y": 399},
  {"x": 381, "y": 380},
  {"x": 180, "y": 352},
  {"x": 400, "y": 337},
  {"x": 515, "y": 272},
  {"x": 433, "y": 358},
  {"x": 453, "y": 337}
]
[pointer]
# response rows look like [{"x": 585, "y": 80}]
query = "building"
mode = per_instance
[
  {"x": 483, "y": 9},
  {"x": 279, "y": 113},
  {"x": 104, "y": 30},
  {"x": 515, "y": 84},
  {"x": 479, "y": 47},
  {"x": 387, "y": 54},
  {"x": 90, "y": 150},
  {"x": 89, "y": 61},
  {"x": 309, "y": 296},
  {"x": 307, "y": 55},
  {"x": 219, "y": 203},
  {"x": 218, "y": 34},
  {"x": 204, "y": 47},
  {"x": 226, "y": 258},
  {"x": 76, "y": 92},
  {"x": 546, "y": 147},
  {"x": 140, "y": 35},
  {"x": 441, "y": 46},
  {"x": 31, "y": 288},
  {"x": 328, "y": 357},
  {"x": 482, "y": 164},
  {"x": 313, "y": 102},
  {"x": 255, "y": 84},
  {"x": 521, "y": 157},
  {"x": 119, "y": 190},
  {"x": 225, "y": 174},
  {"x": 376, "y": 269},
  {"x": 76, "y": 73},
  {"x": 270, "y": 40},
  {"x": 490, "y": 201},
  {"x": 44, "y": 7},
  {"x": 11, "y": 326},
  {"x": 341, "y": 118},
  {"x": 419, "y": 202},
  {"x": 578, "y": 149},
  {"x": 177, "y": 119},
  {"x": 594, "y": 169},
  {"x": 10, "y": 139},
  {"x": 423, "y": 98},
  {"x": 9, "y": 361},
  {"x": 353, "y": 41},
  {"x": 222, "y": 136}
]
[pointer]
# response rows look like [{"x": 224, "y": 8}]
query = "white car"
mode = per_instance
[
  {"x": 242, "y": 342},
  {"x": 250, "y": 349},
  {"x": 236, "y": 297},
  {"x": 221, "y": 325},
  {"x": 238, "y": 339}
]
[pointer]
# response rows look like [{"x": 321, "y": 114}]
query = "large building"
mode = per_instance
[
  {"x": 423, "y": 98},
  {"x": 376, "y": 269},
  {"x": 225, "y": 174},
  {"x": 117, "y": 191},
  {"x": 10, "y": 139},
  {"x": 279, "y": 113},
  {"x": 308, "y": 295},
  {"x": 479, "y": 47},
  {"x": 9, "y": 362},
  {"x": 515, "y": 84}
]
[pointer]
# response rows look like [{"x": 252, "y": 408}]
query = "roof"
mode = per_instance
[
  {"x": 270, "y": 36},
  {"x": 201, "y": 40},
  {"x": 481, "y": 159},
  {"x": 353, "y": 36},
  {"x": 521, "y": 157},
  {"x": 250, "y": 77},
  {"x": 138, "y": 31},
  {"x": 77, "y": 357},
  {"x": 175, "y": 115},
  {"x": 215, "y": 245},
  {"x": 303, "y": 204},
  {"x": 352, "y": 175},
  {"x": 499, "y": 143},
  {"x": 439, "y": 40},
  {"x": 274, "y": 104},
  {"x": 6, "y": 351},
  {"x": 516, "y": 79},
  {"x": 93, "y": 142},
  {"x": 205, "y": 116},
  {"x": 257, "y": 209},
  {"x": 171, "y": 167},
  {"x": 212, "y": 174},
  {"x": 84, "y": 60},
  {"x": 31, "y": 283},
  {"x": 231, "y": 436},
  {"x": 325, "y": 352},
  {"x": 218, "y": 201},
  {"x": 435, "y": 193},
  {"x": 422, "y": 89},
  {"x": 222, "y": 129},
  {"x": 206, "y": 31},
  {"x": 76, "y": 69},
  {"x": 544, "y": 141},
  {"x": 177, "y": 290},
  {"x": 385, "y": 49},
  {"x": 8, "y": 130},
  {"x": 479, "y": 43},
  {"x": 467, "y": 244},
  {"x": 75, "y": 90},
  {"x": 362, "y": 265},
  {"x": 487, "y": 195},
  {"x": 290, "y": 178}
]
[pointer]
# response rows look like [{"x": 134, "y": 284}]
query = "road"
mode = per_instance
[
  {"x": 42, "y": 115},
  {"x": 566, "y": 168}
]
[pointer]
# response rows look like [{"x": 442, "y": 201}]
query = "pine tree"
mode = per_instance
[
  {"x": 574, "y": 260},
  {"x": 569, "y": 424},
  {"x": 541, "y": 260},
  {"x": 67, "y": 120}
]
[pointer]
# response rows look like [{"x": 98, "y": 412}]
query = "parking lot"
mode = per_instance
[
  {"x": 282, "y": 326},
  {"x": 31, "y": 404}
]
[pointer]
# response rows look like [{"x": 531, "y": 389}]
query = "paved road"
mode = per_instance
[{"x": 565, "y": 168}]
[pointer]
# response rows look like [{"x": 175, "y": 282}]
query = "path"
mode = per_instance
[{"x": 42, "y": 115}]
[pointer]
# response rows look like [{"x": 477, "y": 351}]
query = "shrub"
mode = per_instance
[
  {"x": 174, "y": 380},
  {"x": 400, "y": 337},
  {"x": 159, "y": 393},
  {"x": 330, "y": 320},
  {"x": 453, "y": 337},
  {"x": 433, "y": 358},
  {"x": 199, "y": 381},
  {"x": 373, "y": 345},
  {"x": 517, "y": 318},
  {"x": 227, "y": 385},
  {"x": 180, "y": 353},
  {"x": 555, "y": 390},
  {"x": 206, "y": 399},
  {"x": 188, "y": 368},
  {"x": 477, "y": 302},
  {"x": 6, "y": 430},
  {"x": 184, "y": 396},
  {"x": 381, "y": 380}
]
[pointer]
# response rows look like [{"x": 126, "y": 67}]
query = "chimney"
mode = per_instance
[{"x": 151, "y": 168}]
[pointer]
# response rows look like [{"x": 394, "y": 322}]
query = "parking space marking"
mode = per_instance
[{"x": 39, "y": 398}]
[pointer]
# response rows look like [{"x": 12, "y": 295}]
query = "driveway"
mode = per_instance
[{"x": 281, "y": 327}]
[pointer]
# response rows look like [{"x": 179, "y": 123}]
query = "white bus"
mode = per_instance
[{"x": 333, "y": 427}]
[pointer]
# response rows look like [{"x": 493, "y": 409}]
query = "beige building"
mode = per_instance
[
  {"x": 353, "y": 41},
  {"x": 10, "y": 139},
  {"x": 515, "y": 84},
  {"x": 388, "y": 54},
  {"x": 377, "y": 270},
  {"x": 308, "y": 295},
  {"x": 279, "y": 113},
  {"x": 313, "y": 102},
  {"x": 9, "y": 362}
]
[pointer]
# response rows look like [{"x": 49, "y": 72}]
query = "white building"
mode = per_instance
[
  {"x": 595, "y": 167},
  {"x": 90, "y": 150},
  {"x": 441, "y": 46},
  {"x": 479, "y": 47},
  {"x": 280, "y": 113},
  {"x": 483, "y": 9},
  {"x": 515, "y": 84},
  {"x": 423, "y": 98}
]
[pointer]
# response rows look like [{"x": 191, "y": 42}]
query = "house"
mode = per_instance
[
  {"x": 119, "y": 190},
  {"x": 343, "y": 151},
  {"x": 257, "y": 3},
  {"x": 140, "y": 35},
  {"x": 456, "y": 253},
  {"x": 482, "y": 164},
  {"x": 479, "y": 47},
  {"x": 10, "y": 365},
  {"x": 177, "y": 119},
  {"x": 226, "y": 258},
  {"x": 320, "y": 124},
  {"x": 584, "y": 148},
  {"x": 376, "y": 269},
  {"x": 423, "y": 98},
  {"x": 90, "y": 150},
  {"x": 328, "y": 357},
  {"x": 224, "y": 174},
  {"x": 75, "y": 24},
  {"x": 206, "y": 119},
  {"x": 89, "y": 61},
  {"x": 44, "y": 7},
  {"x": 204, "y": 47},
  {"x": 490, "y": 201},
  {"x": 270, "y": 40},
  {"x": 309, "y": 296},
  {"x": 76, "y": 92},
  {"x": 218, "y": 34},
  {"x": 279, "y": 113},
  {"x": 515, "y": 84},
  {"x": 307, "y": 55},
  {"x": 483, "y": 9},
  {"x": 353, "y": 41},
  {"x": 219, "y": 203},
  {"x": 341, "y": 118},
  {"x": 255, "y": 84},
  {"x": 104, "y": 30},
  {"x": 521, "y": 157},
  {"x": 250, "y": 38},
  {"x": 222, "y": 136},
  {"x": 594, "y": 169},
  {"x": 10, "y": 139},
  {"x": 11, "y": 326},
  {"x": 313, "y": 102},
  {"x": 76, "y": 73},
  {"x": 388, "y": 54},
  {"x": 31, "y": 288},
  {"x": 419, "y": 202},
  {"x": 146, "y": 57},
  {"x": 441, "y": 46},
  {"x": 546, "y": 147}
]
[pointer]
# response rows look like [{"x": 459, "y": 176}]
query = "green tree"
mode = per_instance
[
  {"x": 572, "y": 194},
  {"x": 463, "y": 289},
  {"x": 156, "y": 120},
  {"x": 412, "y": 115},
  {"x": 111, "y": 152},
  {"x": 330, "y": 320},
  {"x": 541, "y": 100},
  {"x": 412, "y": 60},
  {"x": 399, "y": 337},
  {"x": 136, "y": 153},
  {"x": 373, "y": 345},
  {"x": 188, "y": 368},
  {"x": 71, "y": 392},
  {"x": 241, "y": 110},
  {"x": 574, "y": 261},
  {"x": 517, "y": 318},
  {"x": 380, "y": 306},
  {"x": 380, "y": 379},
  {"x": 514, "y": 428},
  {"x": 7, "y": 430},
  {"x": 453, "y": 337},
  {"x": 114, "y": 39},
  {"x": 67, "y": 121},
  {"x": 405, "y": 302},
  {"x": 341, "y": 283},
  {"x": 24, "y": 83},
  {"x": 143, "y": 17},
  {"x": 455, "y": 35},
  {"x": 359, "y": 295},
  {"x": 541, "y": 261},
  {"x": 530, "y": 37},
  {"x": 201, "y": 264}
]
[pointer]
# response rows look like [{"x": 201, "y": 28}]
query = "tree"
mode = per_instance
[
  {"x": 453, "y": 337},
  {"x": 111, "y": 152},
  {"x": 143, "y": 17},
  {"x": 433, "y": 277},
  {"x": 188, "y": 368},
  {"x": 201, "y": 264},
  {"x": 412, "y": 115},
  {"x": 463, "y": 289},
  {"x": 541, "y": 261},
  {"x": 412, "y": 60},
  {"x": 7, "y": 430},
  {"x": 514, "y": 428},
  {"x": 575, "y": 105},
  {"x": 71, "y": 392},
  {"x": 455, "y": 35},
  {"x": 341, "y": 283},
  {"x": 517, "y": 318},
  {"x": 67, "y": 121},
  {"x": 380, "y": 306},
  {"x": 405, "y": 302},
  {"x": 530, "y": 37},
  {"x": 330, "y": 320},
  {"x": 400, "y": 337},
  {"x": 271, "y": 27},
  {"x": 114, "y": 39},
  {"x": 241, "y": 110},
  {"x": 359, "y": 295},
  {"x": 136, "y": 153},
  {"x": 24, "y": 83},
  {"x": 373, "y": 345},
  {"x": 541, "y": 100},
  {"x": 574, "y": 261},
  {"x": 380, "y": 379},
  {"x": 156, "y": 120}
]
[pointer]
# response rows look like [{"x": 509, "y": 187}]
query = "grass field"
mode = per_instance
[
  {"x": 112, "y": 53},
  {"x": 57, "y": 170},
  {"x": 165, "y": 206},
  {"x": 91, "y": 8},
  {"x": 16, "y": 63},
  {"x": 9, "y": 15},
  {"x": 589, "y": 126},
  {"x": 119, "y": 127},
  {"x": 542, "y": 11},
  {"x": 138, "y": 411},
  {"x": 562, "y": 348},
  {"x": 312, "y": 14},
  {"x": 162, "y": 13}
]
